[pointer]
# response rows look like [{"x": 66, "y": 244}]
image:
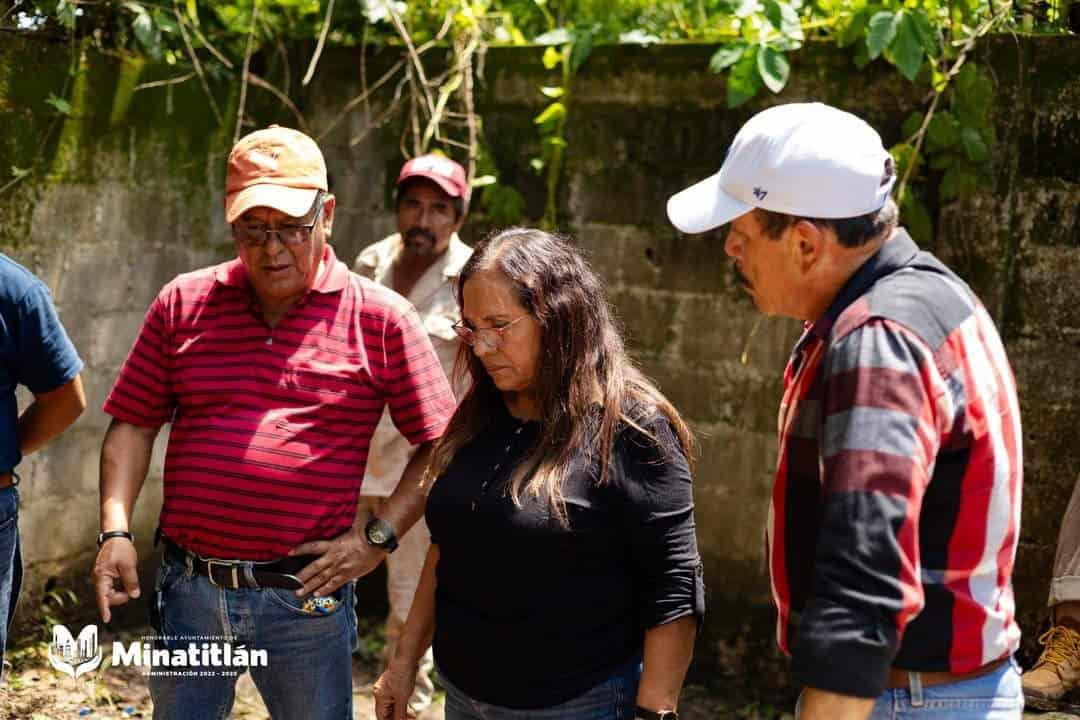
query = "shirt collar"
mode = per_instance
[
  {"x": 333, "y": 278},
  {"x": 894, "y": 254}
]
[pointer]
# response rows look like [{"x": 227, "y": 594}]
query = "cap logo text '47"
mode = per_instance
[{"x": 760, "y": 194}]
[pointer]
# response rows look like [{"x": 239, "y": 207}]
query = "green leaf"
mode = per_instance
[
  {"x": 537, "y": 165},
  {"x": 774, "y": 68},
  {"x": 929, "y": 35},
  {"x": 916, "y": 219},
  {"x": 912, "y": 124},
  {"x": 944, "y": 160},
  {"x": 974, "y": 91},
  {"x": 558, "y": 36},
  {"x": 65, "y": 13},
  {"x": 974, "y": 146},
  {"x": 904, "y": 155},
  {"x": 554, "y": 93},
  {"x": 552, "y": 113},
  {"x": 883, "y": 28},
  {"x": 854, "y": 28},
  {"x": 143, "y": 26},
  {"x": 906, "y": 48},
  {"x": 484, "y": 181},
  {"x": 18, "y": 172},
  {"x": 61, "y": 105},
  {"x": 746, "y": 8},
  {"x": 726, "y": 56},
  {"x": 743, "y": 81},
  {"x": 582, "y": 48},
  {"x": 552, "y": 58},
  {"x": 943, "y": 131},
  {"x": 958, "y": 182},
  {"x": 193, "y": 11},
  {"x": 785, "y": 19}
]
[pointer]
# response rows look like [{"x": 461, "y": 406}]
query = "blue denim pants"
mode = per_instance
[
  {"x": 308, "y": 672},
  {"x": 613, "y": 699},
  {"x": 11, "y": 568},
  {"x": 994, "y": 696}
]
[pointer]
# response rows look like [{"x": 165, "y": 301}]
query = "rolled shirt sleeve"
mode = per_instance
[
  {"x": 653, "y": 476},
  {"x": 142, "y": 394},
  {"x": 878, "y": 443},
  {"x": 47, "y": 357},
  {"x": 417, "y": 392}
]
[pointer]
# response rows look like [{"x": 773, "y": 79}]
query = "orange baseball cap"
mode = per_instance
[{"x": 277, "y": 167}]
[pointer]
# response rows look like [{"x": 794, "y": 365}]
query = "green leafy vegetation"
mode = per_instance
[{"x": 928, "y": 43}]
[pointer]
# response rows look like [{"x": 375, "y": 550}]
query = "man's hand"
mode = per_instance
[
  {"x": 344, "y": 558},
  {"x": 117, "y": 560}
]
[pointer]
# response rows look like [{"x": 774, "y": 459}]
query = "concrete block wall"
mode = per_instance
[{"x": 125, "y": 203}]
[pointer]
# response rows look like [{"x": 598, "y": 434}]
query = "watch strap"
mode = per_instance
[
  {"x": 109, "y": 534},
  {"x": 641, "y": 713}
]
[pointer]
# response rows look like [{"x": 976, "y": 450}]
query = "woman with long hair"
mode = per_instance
[{"x": 563, "y": 579}]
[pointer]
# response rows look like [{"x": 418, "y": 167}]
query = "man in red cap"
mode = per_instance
[
  {"x": 273, "y": 369},
  {"x": 421, "y": 262}
]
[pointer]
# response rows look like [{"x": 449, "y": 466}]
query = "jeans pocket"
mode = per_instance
[
  {"x": 9, "y": 507},
  {"x": 310, "y": 606}
]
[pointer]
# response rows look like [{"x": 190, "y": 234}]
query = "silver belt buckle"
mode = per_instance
[{"x": 231, "y": 566}]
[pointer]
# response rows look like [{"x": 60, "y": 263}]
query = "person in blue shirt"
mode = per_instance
[{"x": 35, "y": 352}]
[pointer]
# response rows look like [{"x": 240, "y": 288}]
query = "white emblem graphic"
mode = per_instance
[{"x": 75, "y": 656}]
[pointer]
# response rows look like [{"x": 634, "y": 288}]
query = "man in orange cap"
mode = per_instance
[
  {"x": 422, "y": 262},
  {"x": 274, "y": 369}
]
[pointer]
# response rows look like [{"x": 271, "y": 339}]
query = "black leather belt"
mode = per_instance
[{"x": 231, "y": 574}]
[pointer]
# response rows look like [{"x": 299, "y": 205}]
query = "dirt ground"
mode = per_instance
[{"x": 33, "y": 690}]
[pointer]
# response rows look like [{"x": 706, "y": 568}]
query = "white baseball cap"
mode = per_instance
[{"x": 804, "y": 159}]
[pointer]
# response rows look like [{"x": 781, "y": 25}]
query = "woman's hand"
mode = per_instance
[{"x": 392, "y": 691}]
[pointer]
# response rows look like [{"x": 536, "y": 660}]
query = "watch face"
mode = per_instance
[{"x": 377, "y": 536}]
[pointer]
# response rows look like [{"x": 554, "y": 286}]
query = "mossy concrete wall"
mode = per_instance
[{"x": 130, "y": 197}]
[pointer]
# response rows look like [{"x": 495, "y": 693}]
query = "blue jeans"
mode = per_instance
[
  {"x": 613, "y": 699},
  {"x": 994, "y": 696},
  {"x": 308, "y": 671},
  {"x": 11, "y": 568}
]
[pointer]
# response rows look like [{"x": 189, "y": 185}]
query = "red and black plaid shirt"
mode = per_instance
[{"x": 896, "y": 508}]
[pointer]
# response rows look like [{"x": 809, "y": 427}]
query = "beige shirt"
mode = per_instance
[{"x": 433, "y": 298}]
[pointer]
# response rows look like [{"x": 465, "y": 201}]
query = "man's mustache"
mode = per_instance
[{"x": 417, "y": 232}]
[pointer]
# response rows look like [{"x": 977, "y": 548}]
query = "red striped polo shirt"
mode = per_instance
[{"x": 271, "y": 426}]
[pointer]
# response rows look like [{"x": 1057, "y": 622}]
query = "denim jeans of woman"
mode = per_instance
[
  {"x": 994, "y": 696},
  {"x": 308, "y": 672},
  {"x": 613, "y": 699}
]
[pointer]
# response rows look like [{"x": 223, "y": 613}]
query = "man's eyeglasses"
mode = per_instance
[
  {"x": 290, "y": 235},
  {"x": 491, "y": 337}
]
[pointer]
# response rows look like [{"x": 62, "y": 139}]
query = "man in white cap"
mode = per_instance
[
  {"x": 273, "y": 369},
  {"x": 895, "y": 511},
  {"x": 421, "y": 261}
]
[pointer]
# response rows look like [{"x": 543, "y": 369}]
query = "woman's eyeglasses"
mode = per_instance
[{"x": 491, "y": 337}]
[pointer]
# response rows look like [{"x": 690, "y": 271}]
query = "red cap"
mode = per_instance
[{"x": 439, "y": 169}]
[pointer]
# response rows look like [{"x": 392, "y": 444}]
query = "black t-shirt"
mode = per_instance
[{"x": 529, "y": 614}]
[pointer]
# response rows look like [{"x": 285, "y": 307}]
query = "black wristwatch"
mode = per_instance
[
  {"x": 381, "y": 534},
  {"x": 114, "y": 533},
  {"x": 645, "y": 714}
]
